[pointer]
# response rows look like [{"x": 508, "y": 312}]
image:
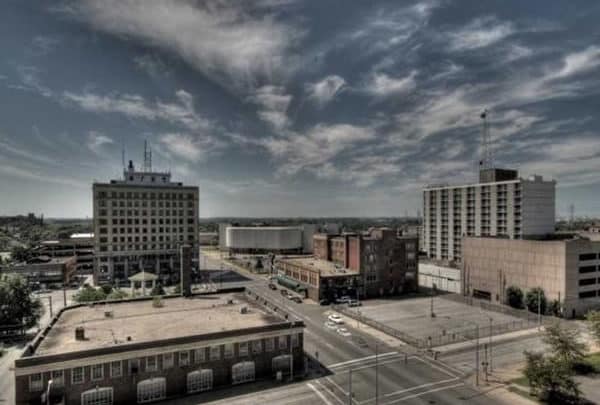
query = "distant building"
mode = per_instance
[
  {"x": 501, "y": 204},
  {"x": 135, "y": 352},
  {"x": 208, "y": 238},
  {"x": 139, "y": 223},
  {"x": 440, "y": 278},
  {"x": 44, "y": 269},
  {"x": 80, "y": 245},
  {"x": 568, "y": 270},
  {"x": 267, "y": 239},
  {"x": 374, "y": 263}
]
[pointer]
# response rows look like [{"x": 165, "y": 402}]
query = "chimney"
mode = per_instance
[
  {"x": 79, "y": 333},
  {"x": 185, "y": 263}
]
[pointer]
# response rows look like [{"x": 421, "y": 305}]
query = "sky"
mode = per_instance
[{"x": 296, "y": 108}]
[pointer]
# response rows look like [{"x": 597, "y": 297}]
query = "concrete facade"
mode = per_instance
[
  {"x": 267, "y": 239},
  {"x": 45, "y": 269},
  {"x": 515, "y": 208},
  {"x": 567, "y": 270},
  {"x": 139, "y": 223},
  {"x": 231, "y": 341}
]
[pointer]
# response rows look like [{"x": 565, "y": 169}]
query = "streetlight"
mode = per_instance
[
  {"x": 476, "y": 351},
  {"x": 376, "y": 373}
]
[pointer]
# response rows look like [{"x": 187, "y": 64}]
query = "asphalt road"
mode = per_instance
[{"x": 346, "y": 362}]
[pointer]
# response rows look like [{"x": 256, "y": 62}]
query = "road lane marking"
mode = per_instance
[
  {"x": 336, "y": 385},
  {"x": 388, "y": 360},
  {"x": 425, "y": 393},
  {"x": 432, "y": 365},
  {"x": 345, "y": 363},
  {"x": 391, "y": 394},
  {"x": 330, "y": 392},
  {"x": 319, "y": 394}
]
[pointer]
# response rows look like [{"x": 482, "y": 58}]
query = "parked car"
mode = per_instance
[
  {"x": 343, "y": 299},
  {"x": 272, "y": 286},
  {"x": 344, "y": 332},
  {"x": 296, "y": 299},
  {"x": 354, "y": 303},
  {"x": 324, "y": 302},
  {"x": 335, "y": 319}
]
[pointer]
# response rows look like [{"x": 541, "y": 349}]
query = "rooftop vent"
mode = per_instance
[
  {"x": 229, "y": 302},
  {"x": 79, "y": 333},
  {"x": 244, "y": 310},
  {"x": 108, "y": 314}
]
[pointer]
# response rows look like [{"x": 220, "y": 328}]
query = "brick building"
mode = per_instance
[
  {"x": 44, "y": 269},
  {"x": 121, "y": 353},
  {"x": 385, "y": 263}
]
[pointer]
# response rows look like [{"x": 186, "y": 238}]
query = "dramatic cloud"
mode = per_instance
[
  {"x": 273, "y": 104},
  {"x": 481, "y": 32},
  {"x": 323, "y": 91},
  {"x": 135, "y": 106},
  {"x": 96, "y": 141},
  {"x": 226, "y": 41},
  {"x": 382, "y": 85},
  {"x": 182, "y": 145}
]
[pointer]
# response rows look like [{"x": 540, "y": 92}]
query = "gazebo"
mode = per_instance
[{"x": 142, "y": 277}]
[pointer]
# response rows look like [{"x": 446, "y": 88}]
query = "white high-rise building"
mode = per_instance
[
  {"x": 502, "y": 204},
  {"x": 139, "y": 224}
]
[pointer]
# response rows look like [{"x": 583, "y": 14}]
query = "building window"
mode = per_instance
[
  {"x": 243, "y": 349},
  {"x": 269, "y": 345},
  {"x": 587, "y": 294},
  {"x": 200, "y": 380},
  {"x": 256, "y": 346},
  {"x": 97, "y": 396},
  {"x": 228, "y": 350},
  {"x": 242, "y": 372},
  {"x": 587, "y": 281},
  {"x": 58, "y": 378},
  {"x": 295, "y": 340},
  {"x": 151, "y": 363},
  {"x": 97, "y": 372},
  {"x": 36, "y": 383},
  {"x": 153, "y": 389},
  {"x": 199, "y": 355},
  {"x": 134, "y": 366},
  {"x": 588, "y": 256},
  {"x": 215, "y": 352},
  {"x": 168, "y": 360},
  {"x": 77, "y": 375},
  {"x": 281, "y": 363},
  {"x": 587, "y": 269},
  {"x": 116, "y": 369},
  {"x": 283, "y": 342},
  {"x": 184, "y": 358}
]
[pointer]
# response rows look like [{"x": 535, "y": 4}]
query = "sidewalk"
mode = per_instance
[{"x": 469, "y": 344}]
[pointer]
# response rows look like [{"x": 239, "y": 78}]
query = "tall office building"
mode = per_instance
[
  {"x": 139, "y": 224},
  {"x": 501, "y": 204}
]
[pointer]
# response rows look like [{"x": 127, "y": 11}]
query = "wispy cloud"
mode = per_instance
[
  {"x": 479, "y": 33},
  {"x": 273, "y": 103},
  {"x": 186, "y": 146},
  {"x": 97, "y": 140},
  {"x": 153, "y": 65},
  {"x": 383, "y": 85},
  {"x": 323, "y": 91}
]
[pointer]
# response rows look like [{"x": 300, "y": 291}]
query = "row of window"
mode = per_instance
[
  {"x": 144, "y": 221},
  {"x": 151, "y": 363},
  {"x": 160, "y": 246},
  {"x": 587, "y": 281},
  {"x": 144, "y": 195},
  {"x": 144, "y": 203},
  {"x": 587, "y": 269},
  {"x": 588, "y": 256},
  {"x": 125, "y": 231},
  {"x": 135, "y": 213},
  {"x": 588, "y": 294}
]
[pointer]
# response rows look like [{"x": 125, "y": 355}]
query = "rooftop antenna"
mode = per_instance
[
  {"x": 486, "y": 153},
  {"x": 147, "y": 157},
  {"x": 572, "y": 213},
  {"x": 123, "y": 153}
]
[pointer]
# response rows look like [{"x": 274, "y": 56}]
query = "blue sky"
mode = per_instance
[{"x": 296, "y": 108}]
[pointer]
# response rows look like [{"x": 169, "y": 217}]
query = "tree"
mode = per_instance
[
  {"x": 564, "y": 343},
  {"x": 177, "y": 288},
  {"x": 514, "y": 297},
  {"x": 593, "y": 317},
  {"x": 17, "y": 305},
  {"x": 550, "y": 379},
  {"x": 531, "y": 300},
  {"x": 117, "y": 294},
  {"x": 90, "y": 294},
  {"x": 554, "y": 308},
  {"x": 20, "y": 253},
  {"x": 158, "y": 290},
  {"x": 106, "y": 289}
]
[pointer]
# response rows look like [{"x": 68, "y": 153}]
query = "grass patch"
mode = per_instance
[
  {"x": 523, "y": 393},
  {"x": 594, "y": 361},
  {"x": 521, "y": 381}
]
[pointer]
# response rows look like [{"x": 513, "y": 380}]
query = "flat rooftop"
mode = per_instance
[
  {"x": 324, "y": 267},
  {"x": 179, "y": 317}
]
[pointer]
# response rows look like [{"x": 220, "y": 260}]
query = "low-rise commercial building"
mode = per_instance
[
  {"x": 385, "y": 263},
  {"x": 79, "y": 245},
  {"x": 268, "y": 239},
  {"x": 137, "y": 352},
  {"x": 568, "y": 270},
  {"x": 44, "y": 269}
]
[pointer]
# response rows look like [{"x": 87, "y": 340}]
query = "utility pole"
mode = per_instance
[
  {"x": 350, "y": 387},
  {"x": 376, "y": 373},
  {"x": 433, "y": 290},
  {"x": 539, "y": 307},
  {"x": 477, "y": 356},
  {"x": 490, "y": 344},
  {"x": 64, "y": 295},
  {"x": 291, "y": 354}
]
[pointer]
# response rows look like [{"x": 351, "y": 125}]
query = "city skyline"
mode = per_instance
[{"x": 288, "y": 108}]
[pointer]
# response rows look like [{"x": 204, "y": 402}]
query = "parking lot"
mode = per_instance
[{"x": 452, "y": 318}]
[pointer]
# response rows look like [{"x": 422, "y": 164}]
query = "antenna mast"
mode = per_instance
[
  {"x": 486, "y": 153},
  {"x": 147, "y": 157}
]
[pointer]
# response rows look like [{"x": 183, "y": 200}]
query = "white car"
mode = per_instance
[
  {"x": 335, "y": 319},
  {"x": 344, "y": 332},
  {"x": 331, "y": 325}
]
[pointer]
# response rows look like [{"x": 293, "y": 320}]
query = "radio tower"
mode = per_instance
[
  {"x": 486, "y": 153},
  {"x": 147, "y": 158}
]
